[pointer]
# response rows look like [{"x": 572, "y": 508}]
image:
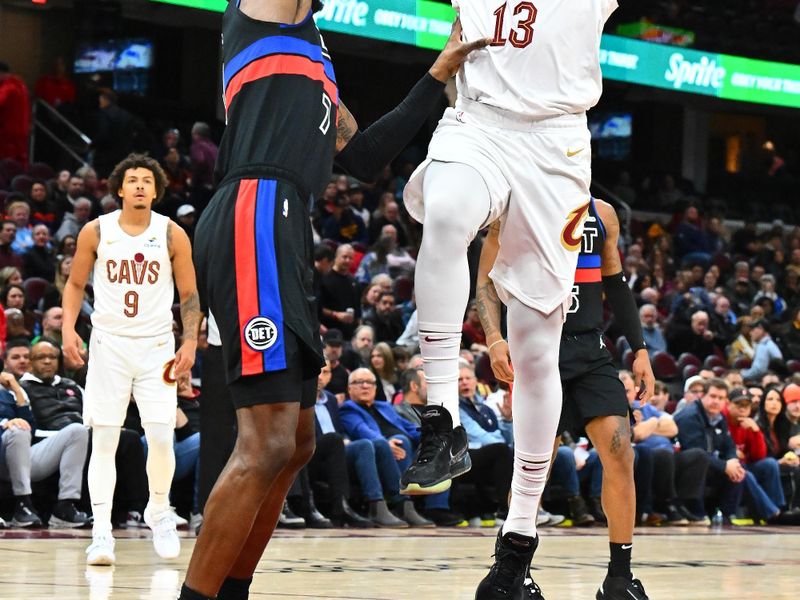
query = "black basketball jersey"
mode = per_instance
[
  {"x": 586, "y": 311},
  {"x": 281, "y": 101}
]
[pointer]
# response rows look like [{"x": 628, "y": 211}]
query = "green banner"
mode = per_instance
[{"x": 427, "y": 25}]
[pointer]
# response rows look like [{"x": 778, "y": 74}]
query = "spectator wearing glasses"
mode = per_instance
[{"x": 365, "y": 419}]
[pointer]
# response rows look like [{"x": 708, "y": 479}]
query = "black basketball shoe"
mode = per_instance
[
  {"x": 621, "y": 588},
  {"x": 512, "y": 560},
  {"x": 442, "y": 454},
  {"x": 532, "y": 590}
]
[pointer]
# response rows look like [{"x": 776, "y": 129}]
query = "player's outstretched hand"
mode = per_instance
[
  {"x": 72, "y": 345},
  {"x": 643, "y": 376},
  {"x": 455, "y": 53},
  {"x": 501, "y": 361},
  {"x": 184, "y": 358}
]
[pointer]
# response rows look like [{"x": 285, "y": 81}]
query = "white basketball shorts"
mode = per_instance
[
  {"x": 538, "y": 173},
  {"x": 121, "y": 368}
]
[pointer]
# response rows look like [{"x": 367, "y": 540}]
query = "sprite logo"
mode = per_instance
[{"x": 703, "y": 73}]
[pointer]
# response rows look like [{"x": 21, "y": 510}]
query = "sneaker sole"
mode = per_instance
[
  {"x": 102, "y": 561},
  {"x": 456, "y": 470},
  {"x": 56, "y": 523},
  {"x": 21, "y": 524}
]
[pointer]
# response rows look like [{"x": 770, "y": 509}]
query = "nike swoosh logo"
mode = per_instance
[
  {"x": 524, "y": 468},
  {"x": 109, "y": 242},
  {"x": 571, "y": 153},
  {"x": 430, "y": 339},
  {"x": 628, "y": 547}
]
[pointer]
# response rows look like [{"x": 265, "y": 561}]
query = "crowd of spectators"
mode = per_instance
[{"x": 714, "y": 303}]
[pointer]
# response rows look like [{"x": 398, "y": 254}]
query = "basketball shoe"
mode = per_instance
[
  {"x": 166, "y": 542},
  {"x": 442, "y": 454},
  {"x": 621, "y": 588},
  {"x": 532, "y": 590},
  {"x": 513, "y": 553},
  {"x": 101, "y": 551}
]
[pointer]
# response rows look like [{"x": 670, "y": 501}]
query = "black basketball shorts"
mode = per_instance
[
  {"x": 590, "y": 383},
  {"x": 254, "y": 258}
]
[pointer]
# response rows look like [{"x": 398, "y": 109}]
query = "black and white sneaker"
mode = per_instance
[
  {"x": 442, "y": 454},
  {"x": 531, "y": 590},
  {"x": 621, "y": 588},
  {"x": 24, "y": 514},
  {"x": 67, "y": 516},
  {"x": 512, "y": 560}
]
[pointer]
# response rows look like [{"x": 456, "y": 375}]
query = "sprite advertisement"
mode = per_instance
[{"x": 427, "y": 25}]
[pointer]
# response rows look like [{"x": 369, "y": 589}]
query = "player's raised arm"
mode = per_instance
[
  {"x": 489, "y": 307},
  {"x": 623, "y": 305},
  {"x": 74, "y": 289},
  {"x": 364, "y": 153},
  {"x": 183, "y": 272}
]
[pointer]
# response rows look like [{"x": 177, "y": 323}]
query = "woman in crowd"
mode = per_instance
[
  {"x": 381, "y": 363},
  {"x": 776, "y": 428},
  {"x": 13, "y": 296},
  {"x": 742, "y": 347},
  {"x": 8, "y": 276},
  {"x": 67, "y": 246}
]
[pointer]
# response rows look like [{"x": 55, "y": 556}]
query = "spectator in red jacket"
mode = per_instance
[
  {"x": 763, "y": 479},
  {"x": 56, "y": 87},
  {"x": 15, "y": 116}
]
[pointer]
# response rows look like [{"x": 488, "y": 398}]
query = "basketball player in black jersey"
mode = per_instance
[
  {"x": 594, "y": 398},
  {"x": 254, "y": 257}
]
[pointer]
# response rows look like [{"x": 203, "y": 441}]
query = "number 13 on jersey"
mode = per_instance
[{"x": 521, "y": 34}]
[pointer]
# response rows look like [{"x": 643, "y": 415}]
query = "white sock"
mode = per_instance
[
  {"x": 456, "y": 205},
  {"x": 160, "y": 463},
  {"x": 534, "y": 345},
  {"x": 102, "y": 475}
]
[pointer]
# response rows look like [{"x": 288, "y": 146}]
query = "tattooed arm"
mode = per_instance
[
  {"x": 180, "y": 251},
  {"x": 489, "y": 307}
]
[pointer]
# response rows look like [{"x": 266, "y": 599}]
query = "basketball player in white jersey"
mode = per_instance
[
  {"x": 516, "y": 146},
  {"x": 137, "y": 257}
]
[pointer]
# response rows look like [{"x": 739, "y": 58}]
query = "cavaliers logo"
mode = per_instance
[
  {"x": 260, "y": 333},
  {"x": 168, "y": 375},
  {"x": 572, "y": 233}
]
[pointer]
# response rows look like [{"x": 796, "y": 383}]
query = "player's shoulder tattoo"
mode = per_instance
[{"x": 97, "y": 228}]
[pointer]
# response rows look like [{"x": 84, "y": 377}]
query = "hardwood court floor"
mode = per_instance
[{"x": 754, "y": 563}]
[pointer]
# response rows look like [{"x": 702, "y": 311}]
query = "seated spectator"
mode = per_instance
[
  {"x": 399, "y": 260},
  {"x": 13, "y": 296},
  {"x": 741, "y": 296},
  {"x": 10, "y": 276},
  {"x": 693, "y": 390},
  {"x": 185, "y": 216},
  {"x": 74, "y": 221},
  {"x": 338, "y": 296},
  {"x": 357, "y": 354},
  {"x": 390, "y": 216},
  {"x": 332, "y": 350},
  {"x": 702, "y": 425},
  {"x": 365, "y": 419},
  {"x": 790, "y": 336},
  {"x": 17, "y": 357},
  {"x": 20, "y": 213},
  {"x": 343, "y": 225},
  {"x": 27, "y": 459},
  {"x": 15, "y": 324},
  {"x": 766, "y": 350},
  {"x": 385, "y": 319},
  {"x": 723, "y": 322},
  {"x": 775, "y": 426},
  {"x": 382, "y": 366},
  {"x": 39, "y": 260},
  {"x": 697, "y": 338},
  {"x": 763, "y": 482},
  {"x": 67, "y": 247},
  {"x": 385, "y": 257},
  {"x": 52, "y": 320},
  {"x": 677, "y": 480},
  {"x": 370, "y": 297},
  {"x": 335, "y": 455},
  {"x": 734, "y": 379},
  {"x": 651, "y": 330},
  {"x": 691, "y": 242},
  {"x": 489, "y": 449},
  {"x": 8, "y": 258},
  {"x": 742, "y": 347},
  {"x": 415, "y": 395},
  {"x": 660, "y": 397},
  {"x": 43, "y": 211},
  {"x": 767, "y": 290},
  {"x": 57, "y": 403}
]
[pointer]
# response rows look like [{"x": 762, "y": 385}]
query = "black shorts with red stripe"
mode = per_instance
[{"x": 254, "y": 258}]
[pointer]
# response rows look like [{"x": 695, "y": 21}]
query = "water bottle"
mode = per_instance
[{"x": 717, "y": 519}]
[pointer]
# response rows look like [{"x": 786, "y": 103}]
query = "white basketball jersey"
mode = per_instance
[
  {"x": 544, "y": 60},
  {"x": 133, "y": 285}
]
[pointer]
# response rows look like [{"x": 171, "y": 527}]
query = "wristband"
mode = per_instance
[{"x": 493, "y": 344}]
